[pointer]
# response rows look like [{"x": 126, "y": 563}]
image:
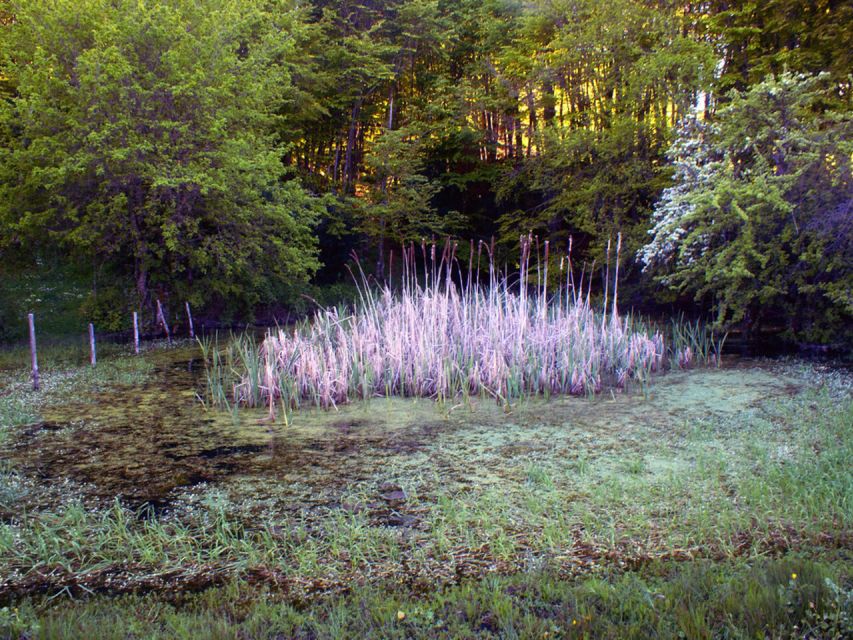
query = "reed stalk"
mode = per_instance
[{"x": 438, "y": 338}]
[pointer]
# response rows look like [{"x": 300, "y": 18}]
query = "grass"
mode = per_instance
[
  {"x": 505, "y": 339},
  {"x": 12, "y": 488},
  {"x": 794, "y": 597}
]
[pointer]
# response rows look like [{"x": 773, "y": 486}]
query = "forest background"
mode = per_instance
[{"x": 234, "y": 154}]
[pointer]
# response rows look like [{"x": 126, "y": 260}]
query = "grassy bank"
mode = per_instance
[{"x": 792, "y": 597}]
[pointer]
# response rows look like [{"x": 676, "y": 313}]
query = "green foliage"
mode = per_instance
[
  {"x": 757, "y": 39},
  {"x": 400, "y": 200},
  {"x": 220, "y": 151},
  {"x": 596, "y": 169},
  {"x": 759, "y": 221},
  {"x": 11, "y": 316},
  {"x": 107, "y": 308},
  {"x": 140, "y": 136},
  {"x": 48, "y": 288}
]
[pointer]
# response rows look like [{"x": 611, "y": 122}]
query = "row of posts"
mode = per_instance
[{"x": 93, "y": 358}]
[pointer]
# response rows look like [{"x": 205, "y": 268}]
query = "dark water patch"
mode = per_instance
[
  {"x": 238, "y": 450},
  {"x": 50, "y": 426},
  {"x": 523, "y": 447},
  {"x": 347, "y": 426},
  {"x": 401, "y": 520},
  {"x": 147, "y": 444},
  {"x": 31, "y": 431},
  {"x": 775, "y": 344},
  {"x": 138, "y": 443}
]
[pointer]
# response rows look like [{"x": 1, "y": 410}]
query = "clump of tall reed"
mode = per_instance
[
  {"x": 238, "y": 361},
  {"x": 444, "y": 336}
]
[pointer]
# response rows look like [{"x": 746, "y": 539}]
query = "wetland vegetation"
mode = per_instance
[
  {"x": 720, "y": 501},
  {"x": 482, "y": 292},
  {"x": 440, "y": 340}
]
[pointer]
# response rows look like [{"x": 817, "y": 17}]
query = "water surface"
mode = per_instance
[{"x": 150, "y": 444}]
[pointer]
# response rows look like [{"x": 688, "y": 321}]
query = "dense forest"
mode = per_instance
[{"x": 235, "y": 154}]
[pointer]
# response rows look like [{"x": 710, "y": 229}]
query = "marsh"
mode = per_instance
[{"x": 132, "y": 486}]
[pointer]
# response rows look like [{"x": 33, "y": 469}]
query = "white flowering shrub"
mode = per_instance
[
  {"x": 758, "y": 219},
  {"x": 696, "y": 166}
]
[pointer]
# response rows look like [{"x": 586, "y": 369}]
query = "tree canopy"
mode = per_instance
[
  {"x": 225, "y": 151},
  {"x": 759, "y": 218},
  {"x": 143, "y": 137}
]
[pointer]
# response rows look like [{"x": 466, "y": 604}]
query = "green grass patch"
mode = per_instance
[{"x": 791, "y": 597}]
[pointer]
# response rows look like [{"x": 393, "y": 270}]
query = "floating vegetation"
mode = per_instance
[
  {"x": 61, "y": 382},
  {"x": 441, "y": 335}
]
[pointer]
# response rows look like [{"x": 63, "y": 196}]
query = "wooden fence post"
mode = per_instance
[
  {"x": 34, "y": 357},
  {"x": 92, "y": 356},
  {"x": 135, "y": 333},
  {"x": 190, "y": 319},
  {"x": 162, "y": 319}
]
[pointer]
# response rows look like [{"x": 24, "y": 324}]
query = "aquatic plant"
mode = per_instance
[
  {"x": 694, "y": 341},
  {"x": 443, "y": 335}
]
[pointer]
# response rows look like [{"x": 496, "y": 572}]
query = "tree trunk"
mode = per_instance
[
  {"x": 337, "y": 165},
  {"x": 141, "y": 283},
  {"x": 549, "y": 103},
  {"x": 349, "y": 159},
  {"x": 380, "y": 259},
  {"x": 519, "y": 137},
  {"x": 531, "y": 121}
]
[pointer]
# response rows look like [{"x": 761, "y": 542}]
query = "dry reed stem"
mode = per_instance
[{"x": 442, "y": 340}]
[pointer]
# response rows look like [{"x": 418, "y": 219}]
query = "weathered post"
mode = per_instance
[
  {"x": 92, "y": 357},
  {"x": 135, "y": 333},
  {"x": 162, "y": 319},
  {"x": 190, "y": 320},
  {"x": 34, "y": 357}
]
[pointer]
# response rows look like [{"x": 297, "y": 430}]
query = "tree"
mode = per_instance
[
  {"x": 140, "y": 136},
  {"x": 400, "y": 207},
  {"x": 759, "y": 219},
  {"x": 622, "y": 72},
  {"x": 760, "y": 38}
]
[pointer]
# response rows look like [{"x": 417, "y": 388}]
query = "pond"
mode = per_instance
[
  {"x": 126, "y": 483},
  {"x": 149, "y": 444}
]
